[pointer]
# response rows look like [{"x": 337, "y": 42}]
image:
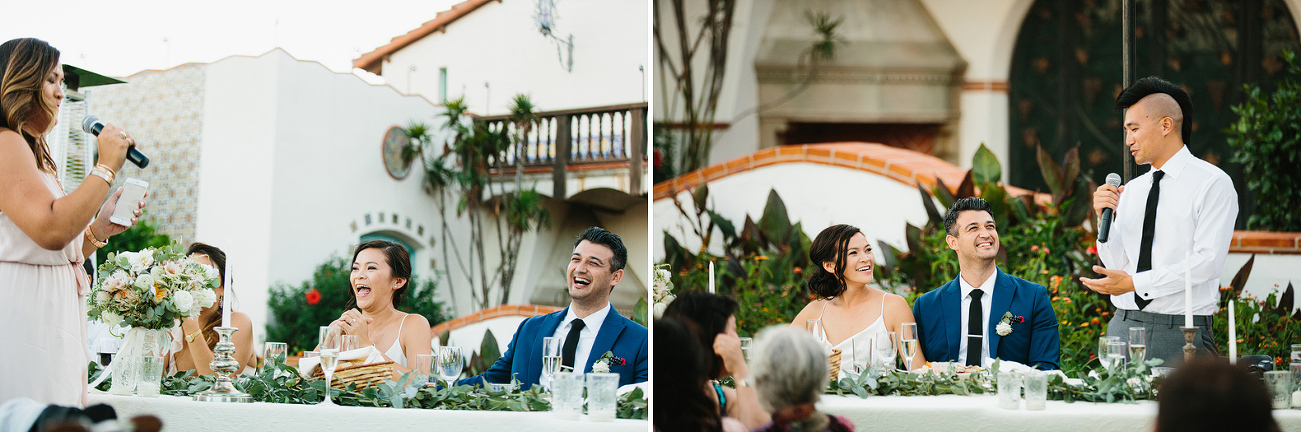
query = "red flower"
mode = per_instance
[
  {"x": 618, "y": 361},
  {"x": 313, "y": 297},
  {"x": 799, "y": 270},
  {"x": 1019, "y": 319},
  {"x": 1093, "y": 250}
]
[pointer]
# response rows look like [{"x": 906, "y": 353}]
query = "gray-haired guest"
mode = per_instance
[{"x": 790, "y": 373}]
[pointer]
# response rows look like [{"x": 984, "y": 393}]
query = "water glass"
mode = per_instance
[
  {"x": 1102, "y": 349},
  {"x": 425, "y": 366},
  {"x": 1137, "y": 344},
  {"x": 1295, "y": 367},
  {"x": 601, "y": 389},
  {"x": 567, "y": 399},
  {"x": 863, "y": 350},
  {"x": 1115, "y": 355},
  {"x": 450, "y": 361},
  {"x": 745, "y": 348},
  {"x": 151, "y": 376},
  {"x": 1009, "y": 390},
  {"x": 1296, "y": 353},
  {"x": 1280, "y": 388},
  {"x": 348, "y": 343},
  {"x": 274, "y": 353},
  {"x": 885, "y": 351},
  {"x": 1036, "y": 390}
]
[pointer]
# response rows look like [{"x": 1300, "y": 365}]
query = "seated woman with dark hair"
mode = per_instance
[
  {"x": 381, "y": 271},
  {"x": 790, "y": 373},
  {"x": 849, "y": 307},
  {"x": 680, "y": 367},
  {"x": 715, "y": 320},
  {"x": 1211, "y": 395},
  {"x": 194, "y": 340}
]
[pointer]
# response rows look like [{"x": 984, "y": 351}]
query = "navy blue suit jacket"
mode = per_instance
[
  {"x": 1034, "y": 342},
  {"x": 523, "y": 358}
]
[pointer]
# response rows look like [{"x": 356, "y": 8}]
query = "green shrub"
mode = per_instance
[
  {"x": 295, "y": 321},
  {"x": 1267, "y": 142}
]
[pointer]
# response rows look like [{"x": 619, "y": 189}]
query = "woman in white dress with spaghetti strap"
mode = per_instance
[
  {"x": 46, "y": 233},
  {"x": 850, "y": 308},
  {"x": 381, "y": 271}
]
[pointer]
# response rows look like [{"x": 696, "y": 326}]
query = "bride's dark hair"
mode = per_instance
[{"x": 830, "y": 245}]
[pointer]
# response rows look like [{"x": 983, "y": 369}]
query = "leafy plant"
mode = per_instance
[
  {"x": 1261, "y": 323},
  {"x": 295, "y": 318},
  {"x": 1266, "y": 140}
]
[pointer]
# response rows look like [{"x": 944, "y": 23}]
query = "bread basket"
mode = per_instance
[{"x": 362, "y": 375}]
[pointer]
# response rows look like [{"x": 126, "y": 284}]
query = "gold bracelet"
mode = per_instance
[
  {"x": 111, "y": 173},
  {"x": 94, "y": 241},
  {"x": 189, "y": 338},
  {"x": 103, "y": 171}
]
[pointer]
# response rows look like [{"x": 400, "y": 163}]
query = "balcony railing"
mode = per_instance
[{"x": 559, "y": 140}]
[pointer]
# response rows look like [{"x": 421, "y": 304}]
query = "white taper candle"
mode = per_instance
[
  {"x": 1233, "y": 334},
  {"x": 225, "y": 299},
  {"x": 711, "y": 277}
]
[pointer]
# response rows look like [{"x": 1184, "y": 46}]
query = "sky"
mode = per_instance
[{"x": 121, "y": 37}]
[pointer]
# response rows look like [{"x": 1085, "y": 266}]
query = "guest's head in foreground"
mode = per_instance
[
  {"x": 714, "y": 316},
  {"x": 30, "y": 93},
  {"x": 790, "y": 374},
  {"x": 381, "y": 270},
  {"x": 200, "y": 338},
  {"x": 595, "y": 267},
  {"x": 972, "y": 232},
  {"x": 681, "y": 372},
  {"x": 1157, "y": 119},
  {"x": 841, "y": 256},
  {"x": 1210, "y": 395}
]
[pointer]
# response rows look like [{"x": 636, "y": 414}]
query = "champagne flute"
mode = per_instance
[
  {"x": 1137, "y": 344},
  {"x": 329, "y": 359},
  {"x": 550, "y": 356},
  {"x": 450, "y": 362},
  {"x": 908, "y": 336}
]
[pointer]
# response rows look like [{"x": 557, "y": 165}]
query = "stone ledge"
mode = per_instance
[{"x": 493, "y": 312}]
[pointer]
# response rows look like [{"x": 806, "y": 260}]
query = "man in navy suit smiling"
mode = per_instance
[
  {"x": 963, "y": 321},
  {"x": 588, "y": 328}
]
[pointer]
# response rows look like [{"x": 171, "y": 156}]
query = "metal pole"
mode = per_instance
[{"x": 1126, "y": 79}]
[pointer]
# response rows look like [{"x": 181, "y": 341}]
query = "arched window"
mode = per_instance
[{"x": 1066, "y": 73}]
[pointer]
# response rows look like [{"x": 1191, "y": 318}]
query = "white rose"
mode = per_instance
[
  {"x": 145, "y": 282},
  {"x": 659, "y": 309},
  {"x": 600, "y": 367},
  {"x": 110, "y": 318},
  {"x": 183, "y": 301},
  {"x": 210, "y": 272},
  {"x": 205, "y": 297},
  {"x": 140, "y": 261},
  {"x": 1003, "y": 329}
]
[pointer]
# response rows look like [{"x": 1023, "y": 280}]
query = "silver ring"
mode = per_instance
[
  {"x": 122, "y": 133},
  {"x": 352, "y": 321}
]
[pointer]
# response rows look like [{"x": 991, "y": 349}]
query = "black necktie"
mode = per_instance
[
  {"x": 571, "y": 345},
  {"x": 975, "y": 322},
  {"x": 1149, "y": 231}
]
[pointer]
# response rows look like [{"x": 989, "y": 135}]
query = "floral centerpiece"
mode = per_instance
[
  {"x": 663, "y": 289},
  {"x": 148, "y": 291}
]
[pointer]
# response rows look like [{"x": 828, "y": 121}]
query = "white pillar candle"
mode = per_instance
[
  {"x": 225, "y": 299},
  {"x": 1188, "y": 289},
  {"x": 711, "y": 277},
  {"x": 1233, "y": 334}
]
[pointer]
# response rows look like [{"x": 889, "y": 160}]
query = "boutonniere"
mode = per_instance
[
  {"x": 1005, "y": 325},
  {"x": 608, "y": 359}
]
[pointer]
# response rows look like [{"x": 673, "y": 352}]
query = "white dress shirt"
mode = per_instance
[
  {"x": 986, "y": 300},
  {"x": 586, "y": 337},
  {"x": 1195, "y": 212}
]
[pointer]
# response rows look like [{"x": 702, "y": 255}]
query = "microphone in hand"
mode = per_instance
[
  {"x": 92, "y": 125},
  {"x": 1104, "y": 226}
]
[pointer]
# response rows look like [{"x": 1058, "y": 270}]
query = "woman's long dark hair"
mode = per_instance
[
  {"x": 830, "y": 245},
  {"x": 219, "y": 259},
  {"x": 398, "y": 260},
  {"x": 709, "y": 313},
  {"x": 680, "y": 376}
]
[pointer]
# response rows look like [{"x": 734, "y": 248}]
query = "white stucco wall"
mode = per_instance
[
  {"x": 611, "y": 40},
  {"x": 1269, "y": 273},
  {"x": 816, "y": 195},
  {"x": 470, "y": 337}
]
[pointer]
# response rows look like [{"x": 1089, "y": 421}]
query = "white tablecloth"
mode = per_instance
[
  {"x": 951, "y": 413},
  {"x": 183, "y": 414}
]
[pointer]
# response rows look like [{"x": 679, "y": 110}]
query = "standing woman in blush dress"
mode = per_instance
[{"x": 46, "y": 233}]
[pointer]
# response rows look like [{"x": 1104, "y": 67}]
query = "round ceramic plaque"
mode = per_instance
[{"x": 394, "y": 141}]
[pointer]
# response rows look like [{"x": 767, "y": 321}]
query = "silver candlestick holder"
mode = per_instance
[
  {"x": 224, "y": 366},
  {"x": 1189, "y": 349}
]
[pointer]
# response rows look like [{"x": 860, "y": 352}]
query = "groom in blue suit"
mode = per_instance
[
  {"x": 963, "y": 321},
  {"x": 588, "y": 328}
]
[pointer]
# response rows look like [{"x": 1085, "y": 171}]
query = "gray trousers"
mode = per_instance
[{"x": 1165, "y": 339}]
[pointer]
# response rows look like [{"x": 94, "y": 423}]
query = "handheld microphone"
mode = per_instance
[
  {"x": 1104, "y": 226},
  {"x": 92, "y": 125}
]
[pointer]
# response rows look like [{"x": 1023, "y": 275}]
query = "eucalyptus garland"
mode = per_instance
[
  {"x": 1128, "y": 384},
  {"x": 281, "y": 383}
]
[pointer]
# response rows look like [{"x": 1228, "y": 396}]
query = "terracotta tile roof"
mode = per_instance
[{"x": 373, "y": 61}]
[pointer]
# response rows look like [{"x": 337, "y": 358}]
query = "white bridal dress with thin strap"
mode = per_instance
[
  {"x": 846, "y": 346},
  {"x": 42, "y": 316}
]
